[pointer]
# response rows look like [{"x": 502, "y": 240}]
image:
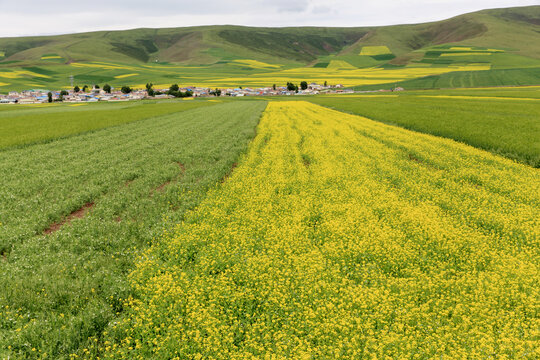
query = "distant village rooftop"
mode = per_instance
[{"x": 34, "y": 96}]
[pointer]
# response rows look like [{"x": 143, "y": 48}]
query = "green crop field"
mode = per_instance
[
  {"x": 501, "y": 122},
  {"x": 31, "y": 123},
  {"x": 468, "y": 79},
  {"x": 58, "y": 288}
]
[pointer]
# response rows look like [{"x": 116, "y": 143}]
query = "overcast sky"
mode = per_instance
[{"x": 39, "y": 17}]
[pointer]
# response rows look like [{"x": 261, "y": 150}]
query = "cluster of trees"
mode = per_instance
[
  {"x": 107, "y": 88},
  {"x": 294, "y": 87},
  {"x": 216, "y": 92},
  {"x": 174, "y": 90},
  {"x": 62, "y": 94},
  {"x": 150, "y": 89},
  {"x": 60, "y": 97}
]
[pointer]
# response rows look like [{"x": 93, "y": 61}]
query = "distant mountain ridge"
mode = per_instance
[{"x": 516, "y": 28}]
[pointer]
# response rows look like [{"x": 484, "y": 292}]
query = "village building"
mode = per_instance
[{"x": 34, "y": 96}]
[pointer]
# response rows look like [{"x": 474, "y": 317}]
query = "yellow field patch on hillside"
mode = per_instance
[
  {"x": 50, "y": 57},
  {"x": 470, "y": 67},
  {"x": 338, "y": 237},
  {"x": 86, "y": 65},
  {"x": 16, "y": 74},
  {"x": 466, "y": 54},
  {"x": 77, "y": 105},
  {"x": 2, "y": 54},
  {"x": 118, "y": 66},
  {"x": 155, "y": 86},
  {"x": 125, "y": 76},
  {"x": 375, "y": 50},
  {"x": 471, "y": 49},
  {"x": 104, "y": 66},
  {"x": 255, "y": 64},
  {"x": 4, "y": 84}
]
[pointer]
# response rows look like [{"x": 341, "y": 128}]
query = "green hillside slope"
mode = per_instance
[
  {"x": 488, "y": 40},
  {"x": 201, "y": 45}
]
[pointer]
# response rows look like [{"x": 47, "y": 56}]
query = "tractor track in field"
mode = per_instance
[
  {"x": 77, "y": 214},
  {"x": 83, "y": 210},
  {"x": 166, "y": 183}
]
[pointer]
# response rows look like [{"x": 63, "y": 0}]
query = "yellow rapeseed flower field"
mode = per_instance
[
  {"x": 461, "y": 48},
  {"x": 102, "y": 65},
  {"x": 125, "y": 76},
  {"x": 255, "y": 64},
  {"x": 466, "y": 54},
  {"x": 339, "y": 75},
  {"x": 16, "y": 74},
  {"x": 375, "y": 50},
  {"x": 338, "y": 237}
]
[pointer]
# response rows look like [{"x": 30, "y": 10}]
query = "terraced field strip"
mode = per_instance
[
  {"x": 338, "y": 237},
  {"x": 76, "y": 212}
]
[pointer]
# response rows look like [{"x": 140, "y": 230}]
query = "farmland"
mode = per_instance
[
  {"x": 239, "y": 72},
  {"x": 341, "y": 237},
  {"x": 333, "y": 228},
  {"x": 61, "y": 283},
  {"x": 271, "y": 224},
  {"x": 39, "y": 123},
  {"x": 501, "y": 121}
]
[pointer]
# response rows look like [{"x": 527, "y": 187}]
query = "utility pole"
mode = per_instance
[{"x": 71, "y": 80}]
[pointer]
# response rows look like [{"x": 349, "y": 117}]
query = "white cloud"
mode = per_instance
[{"x": 59, "y": 16}]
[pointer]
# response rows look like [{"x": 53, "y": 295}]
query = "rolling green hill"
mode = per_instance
[
  {"x": 489, "y": 40},
  {"x": 195, "y": 45}
]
